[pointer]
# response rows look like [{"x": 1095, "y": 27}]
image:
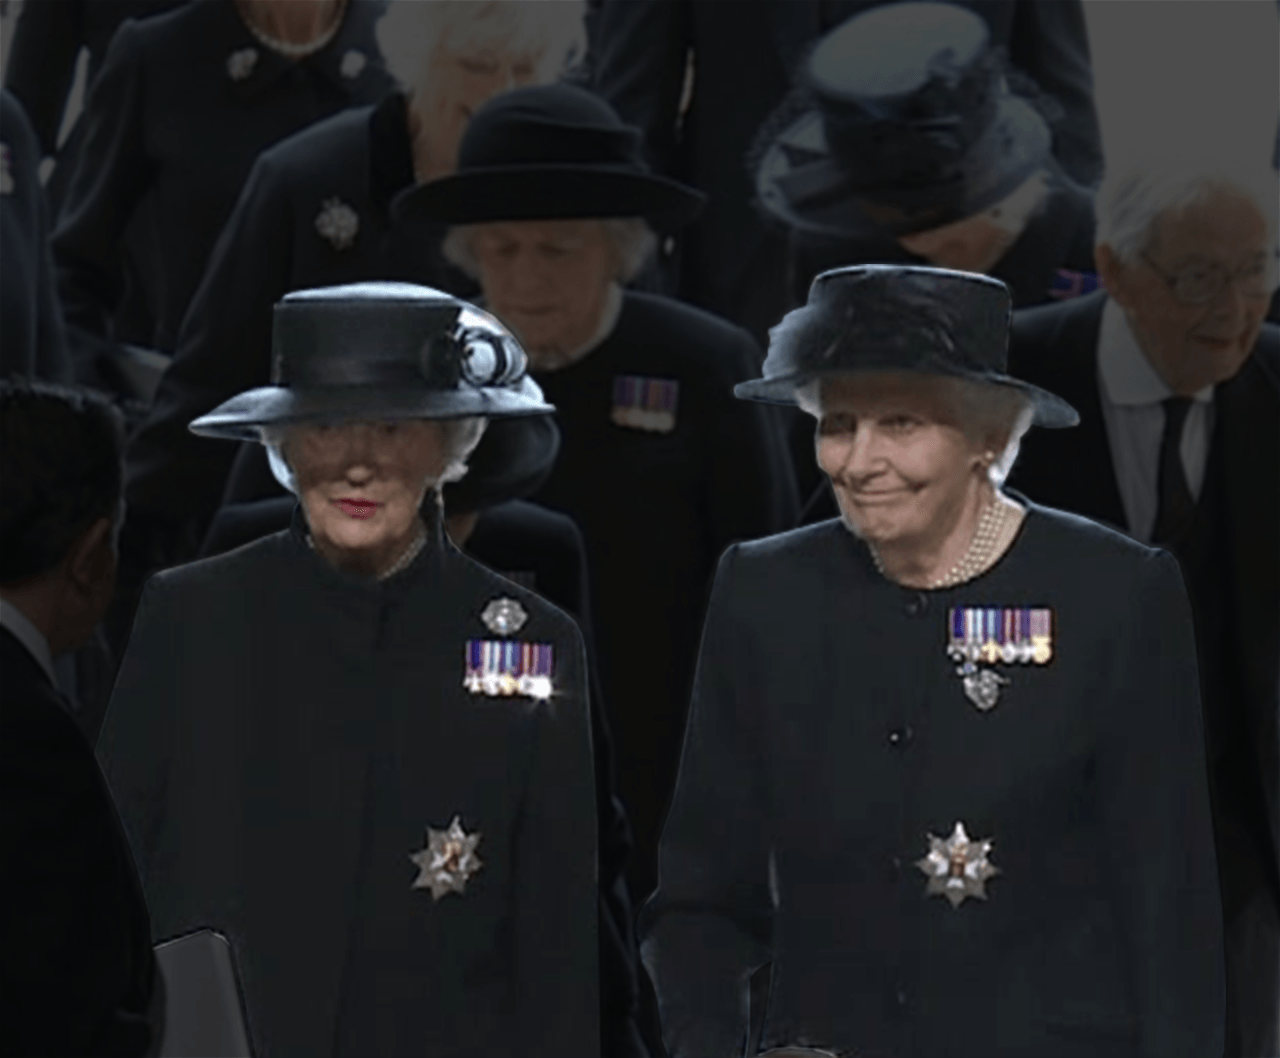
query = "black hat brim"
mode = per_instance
[
  {"x": 550, "y": 192},
  {"x": 243, "y": 416},
  {"x": 513, "y": 460},
  {"x": 1050, "y": 410}
]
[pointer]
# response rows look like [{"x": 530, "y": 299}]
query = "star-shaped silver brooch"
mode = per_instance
[
  {"x": 338, "y": 223},
  {"x": 957, "y": 868},
  {"x": 240, "y": 63},
  {"x": 504, "y": 617},
  {"x": 448, "y": 860}
]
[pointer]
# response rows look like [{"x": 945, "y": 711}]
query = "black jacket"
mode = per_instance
[
  {"x": 829, "y": 736},
  {"x": 77, "y": 975},
  {"x": 32, "y": 339},
  {"x": 170, "y": 134},
  {"x": 281, "y": 737}
]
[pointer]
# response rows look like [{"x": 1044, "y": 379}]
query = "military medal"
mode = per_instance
[
  {"x": 338, "y": 223},
  {"x": 6, "y": 170},
  {"x": 996, "y": 635},
  {"x": 957, "y": 868},
  {"x": 353, "y": 62},
  {"x": 240, "y": 63},
  {"x": 503, "y": 668},
  {"x": 448, "y": 861},
  {"x": 645, "y": 403},
  {"x": 504, "y": 617}
]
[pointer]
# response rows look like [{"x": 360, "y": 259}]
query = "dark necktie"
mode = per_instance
[{"x": 1175, "y": 506}]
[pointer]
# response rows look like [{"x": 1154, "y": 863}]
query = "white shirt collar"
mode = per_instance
[
  {"x": 1126, "y": 372},
  {"x": 16, "y": 622}
]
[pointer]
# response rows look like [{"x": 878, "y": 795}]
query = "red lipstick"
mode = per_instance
[{"x": 357, "y": 508}]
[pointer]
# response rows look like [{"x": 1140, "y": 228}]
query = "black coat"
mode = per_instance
[
  {"x": 32, "y": 339},
  {"x": 656, "y": 510},
  {"x": 77, "y": 975},
  {"x": 542, "y": 551},
  {"x": 744, "y": 55},
  {"x": 1232, "y": 569},
  {"x": 278, "y": 758},
  {"x": 829, "y": 736},
  {"x": 271, "y": 246},
  {"x": 170, "y": 136}
]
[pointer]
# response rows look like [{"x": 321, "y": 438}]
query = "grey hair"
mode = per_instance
[
  {"x": 1138, "y": 192},
  {"x": 410, "y": 30},
  {"x": 982, "y": 410},
  {"x": 633, "y": 241},
  {"x": 461, "y": 436}
]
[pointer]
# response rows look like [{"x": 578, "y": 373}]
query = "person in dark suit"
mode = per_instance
[
  {"x": 701, "y": 76},
  {"x": 368, "y": 762},
  {"x": 552, "y": 208},
  {"x": 861, "y": 175},
  {"x": 944, "y": 765},
  {"x": 1177, "y": 378},
  {"x": 33, "y": 341},
  {"x": 77, "y": 973},
  {"x": 183, "y": 105}
]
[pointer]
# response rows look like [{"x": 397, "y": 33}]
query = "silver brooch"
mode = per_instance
[
  {"x": 504, "y": 617},
  {"x": 240, "y": 63},
  {"x": 338, "y": 223},
  {"x": 353, "y": 62},
  {"x": 448, "y": 861},
  {"x": 958, "y": 868},
  {"x": 6, "y": 170}
]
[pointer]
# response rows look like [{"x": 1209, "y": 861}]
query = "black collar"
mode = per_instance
[{"x": 390, "y": 150}]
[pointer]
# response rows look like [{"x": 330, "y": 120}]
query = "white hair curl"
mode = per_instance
[{"x": 634, "y": 242}]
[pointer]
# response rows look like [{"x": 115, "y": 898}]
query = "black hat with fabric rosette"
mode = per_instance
[
  {"x": 899, "y": 318},
  {"x": 550, "y": 152},
  {"x": 904, "y": 121}
]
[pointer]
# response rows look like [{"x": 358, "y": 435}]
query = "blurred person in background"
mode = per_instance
[
  {"x": 77, "y": 973},
  {"x": 1177, "y": 380}
]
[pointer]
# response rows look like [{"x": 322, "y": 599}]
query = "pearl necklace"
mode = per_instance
[
  {"x": 976, "y": 558},
  {"x": 284, "y": 47},
  {"x": 400, "y": 564}
]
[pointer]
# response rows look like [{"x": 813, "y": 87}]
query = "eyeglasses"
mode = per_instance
[{"x": 1200, "y": 284}]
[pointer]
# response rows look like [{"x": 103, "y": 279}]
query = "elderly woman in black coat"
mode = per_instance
[
  {"x": 362, "y": 756},
  {"x": 944, "y": 766}
]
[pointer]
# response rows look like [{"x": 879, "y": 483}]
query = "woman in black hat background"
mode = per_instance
[
  {"x": 906, "y": 143},
  {"x": 944, "y": 765},
  {"x": 553, "y": 210},
  {"x": 357, "y": 753}
]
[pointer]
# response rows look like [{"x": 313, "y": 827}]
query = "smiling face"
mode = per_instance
[
  {"x": 361, "y": 484},
  {"x": 1193, "y": 346},
  {"x": 902, "y": 467},
  {"x": 548, "y": 280}
]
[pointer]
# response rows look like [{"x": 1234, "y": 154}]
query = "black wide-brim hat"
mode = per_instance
[
  {"x": 383, "y": 351},
  {"x": 550, "y": 152},
  {"x": 900, "y": 318},
  {"x": 904, "y": 123}
]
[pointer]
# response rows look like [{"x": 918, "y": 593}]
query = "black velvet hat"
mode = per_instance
[
  {"x": 898, "y": 318},
  {"x": 550, "y": 152},
  {"x": 381, "y": 351},
  {"x": 904, "y": 122}
]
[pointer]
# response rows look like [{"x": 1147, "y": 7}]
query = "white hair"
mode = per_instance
[
  {"x": 634, "y": 242},
  {"x": 461, "y": 436},
  {"x": 1141, "y": 190},
  {"x": 983, "y": 411},
  {"x": 410, "y": 30}
]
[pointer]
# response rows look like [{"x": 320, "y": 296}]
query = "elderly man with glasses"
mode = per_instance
[{"x": 1176, "y": 375}]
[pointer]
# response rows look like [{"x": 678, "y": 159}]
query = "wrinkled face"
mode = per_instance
[
  {"x": 361, "y": 482},
  {"x": 1193, "y": 346},
  {"x": 901, "y": 466},
  {"x": 548, "y": 280},
  {"x": 460, "y": 79}
]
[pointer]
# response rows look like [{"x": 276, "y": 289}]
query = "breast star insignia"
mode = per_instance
[
  {"x": 338, "y": 223},
  {"x": 448, "y": 861},
  {"x": 957, "y": 868}
]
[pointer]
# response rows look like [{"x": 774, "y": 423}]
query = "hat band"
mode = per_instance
[{"x": 323, "y": 372}]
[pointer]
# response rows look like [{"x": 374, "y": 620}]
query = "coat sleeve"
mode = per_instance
[
  {"x": 710, "y": 923},
  {"x": 1153, "y": 792},
  {"x": 750, "y": 488},
  {"x": 224, "y": 348},
  {"x": 42, "y": 64},
  {"x": 1049, "y": 40},
  {"x": 556, "y": 948},
  {"x": 640, "y": 54},
  {"x": 112, "y": 174}
]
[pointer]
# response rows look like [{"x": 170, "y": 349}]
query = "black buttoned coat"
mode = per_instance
[
  {"x": 280, "y": 738},
  {"x": 829, "y": 736}
]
